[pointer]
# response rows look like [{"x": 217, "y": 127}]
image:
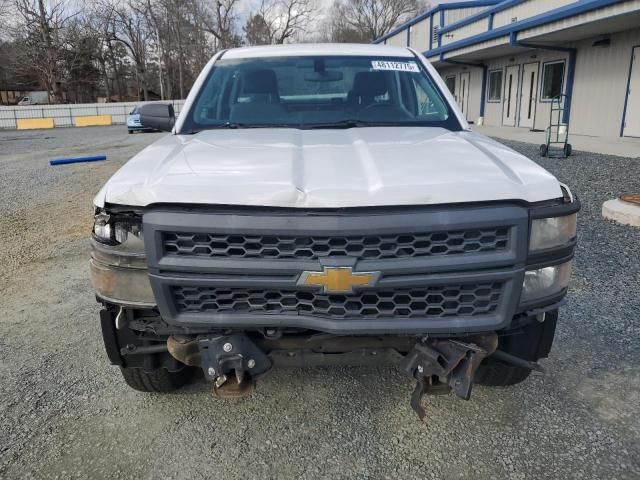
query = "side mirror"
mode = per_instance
[{"x": 159, "y": 116}]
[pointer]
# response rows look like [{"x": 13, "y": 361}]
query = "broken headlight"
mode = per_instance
[
  {"x": 118, "y": 265},
  {"x": 125, "y": 232}
]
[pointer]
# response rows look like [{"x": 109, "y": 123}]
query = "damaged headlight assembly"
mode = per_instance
[{"x": 118, "y": 263}]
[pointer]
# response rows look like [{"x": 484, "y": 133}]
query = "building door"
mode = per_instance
[
  {"x": 463, "y": 97},
  {"x": 631, "y": 127},
  {"x": 510, "y": 99},
  {"x": 528, "y": 95}
]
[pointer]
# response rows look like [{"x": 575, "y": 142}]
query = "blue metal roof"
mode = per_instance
[
  {"x": 436, "y": 9},
  {"x": 494, "y": 6},
  {"x": 580, "y": 6}
]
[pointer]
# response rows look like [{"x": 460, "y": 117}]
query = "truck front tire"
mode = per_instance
[
  {"x": 157, "y": 381},
  {"x": 532, "y": 342}
]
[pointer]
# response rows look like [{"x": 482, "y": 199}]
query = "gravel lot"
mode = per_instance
[{"x": 65, "y": 413}]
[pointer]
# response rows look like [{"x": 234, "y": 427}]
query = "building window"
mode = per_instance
[
  {"x": 451, "y": 84},
  {"x": 552, "y": 80},
  {"x": 495, "y": 86}
]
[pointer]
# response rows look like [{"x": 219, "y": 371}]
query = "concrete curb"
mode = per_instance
[{"x": 622, "y": 212}]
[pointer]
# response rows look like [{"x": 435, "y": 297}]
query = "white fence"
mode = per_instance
[{"x": 64, "y": 115}]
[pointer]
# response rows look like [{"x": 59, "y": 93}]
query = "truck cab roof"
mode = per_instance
[{"x": 314, "y": 49}]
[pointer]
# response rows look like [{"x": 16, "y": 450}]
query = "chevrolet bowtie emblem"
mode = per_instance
[{"x": 338, "y": 279}]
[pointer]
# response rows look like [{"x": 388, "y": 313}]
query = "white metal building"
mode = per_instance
[{"x": 505, "y": 60}]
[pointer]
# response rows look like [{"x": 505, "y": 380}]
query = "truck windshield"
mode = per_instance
[{"x": 319, "y": 92}]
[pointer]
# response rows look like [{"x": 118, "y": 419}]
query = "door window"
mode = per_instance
[
  {"x": 552, "y": 80},
  {"x": 495, "y": 86}
]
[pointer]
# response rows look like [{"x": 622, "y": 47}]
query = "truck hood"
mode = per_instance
[{"x": 354, "y": 167}]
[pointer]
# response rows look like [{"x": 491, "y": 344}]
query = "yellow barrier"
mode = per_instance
[
  {"x": 93, "y": 121},
  {"x": 32, "y": 123}
]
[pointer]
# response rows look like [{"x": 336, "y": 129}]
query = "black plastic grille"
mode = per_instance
[
  {"x": 435, "y": 301},
  {"x": 371, "y": 247}
]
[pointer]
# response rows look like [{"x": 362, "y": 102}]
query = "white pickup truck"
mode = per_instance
[
  {"x": 328, "y": 204},
  {"x": 34, "y": 98}
]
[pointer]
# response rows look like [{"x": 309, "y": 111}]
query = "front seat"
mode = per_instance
[
  {"x": 260, "y": 98},
  {"x": 366, "y": 87}
]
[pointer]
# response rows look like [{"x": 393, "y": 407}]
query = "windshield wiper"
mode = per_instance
[
  {"x": 236, "y": 125},
  {"x": 341, "y": 124},
  {"x": 350, "y": 123}
]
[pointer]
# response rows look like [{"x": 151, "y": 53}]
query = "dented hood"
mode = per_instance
[{"x": 327, "y": 169}]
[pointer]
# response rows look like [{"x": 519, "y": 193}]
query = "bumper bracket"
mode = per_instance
[
  {"x": 440, "y": 365},
  {"x": 232, "y": 362}
]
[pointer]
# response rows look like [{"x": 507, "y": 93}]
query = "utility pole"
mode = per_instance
[{"x": 160, "y": 63}]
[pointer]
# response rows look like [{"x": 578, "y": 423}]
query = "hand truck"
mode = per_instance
[{"x": 557, "y": 144}]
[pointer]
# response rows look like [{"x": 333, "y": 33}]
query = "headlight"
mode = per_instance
[
  {"x": 124, "y": 232},
  {"x": 118, "y": 265},
  {"x": 545, "y": 282},
  {"x": 552, "y": 232}
]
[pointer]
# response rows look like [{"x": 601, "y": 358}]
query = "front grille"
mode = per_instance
[
  {"x": 434, "y": 301},
  {"x": 370, "y": 247}
]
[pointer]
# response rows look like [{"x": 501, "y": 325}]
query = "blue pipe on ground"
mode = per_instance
[{"x": 65, "y": 161}]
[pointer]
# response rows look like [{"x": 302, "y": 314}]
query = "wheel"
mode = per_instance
[
  {"x": 158, "y": 381},
  {"x": 567, "y": 150},
  {"x": 543, "y": 150},
  {"x": 531, "y": 342},
  {"x": 130, "y": 132}
]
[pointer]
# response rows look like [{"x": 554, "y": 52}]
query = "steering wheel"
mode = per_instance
[{"x": 389, "y": 110}]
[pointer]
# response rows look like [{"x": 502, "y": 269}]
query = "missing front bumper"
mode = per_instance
[{"x": 234, "y": 362}]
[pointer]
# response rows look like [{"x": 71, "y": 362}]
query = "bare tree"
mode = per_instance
[
  {"x": 180, "y": 43},
  {"x": 80, "y": 66},
  {"x": 41, "y": 27},
  {"x": 334, "y": 28},
  {"x": 257, "y": 30},
  {"x": 221, "y": 22},
  {"x": 108, "y": 47},
  {"x": 370, "y": 19},
  {"x": 131, "y": 29},
  {"x": 5, "y": 6},
  {"x": 279, "y": 21},
  {"x": 98, "y": 22}
]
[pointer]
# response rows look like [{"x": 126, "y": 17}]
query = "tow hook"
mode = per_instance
[
  {"x": 443, "y": 364},
  {"x": 232, "y": 363}
]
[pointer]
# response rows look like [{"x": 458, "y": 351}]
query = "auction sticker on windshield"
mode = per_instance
[{"x": 396, "y": 66}]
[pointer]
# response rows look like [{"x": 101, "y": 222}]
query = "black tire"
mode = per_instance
[
  {"x": 567, "y": 150},
  {"x": 130, "y": 132},
  {"x": 158, "y": 381},
  {"x": 531, "y": 342},
  {"x": 498, "y": 374},
  {"x": 543, "y": 150}
]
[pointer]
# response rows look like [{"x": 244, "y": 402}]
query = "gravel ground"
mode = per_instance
[{"x": 65, "y": 413}]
